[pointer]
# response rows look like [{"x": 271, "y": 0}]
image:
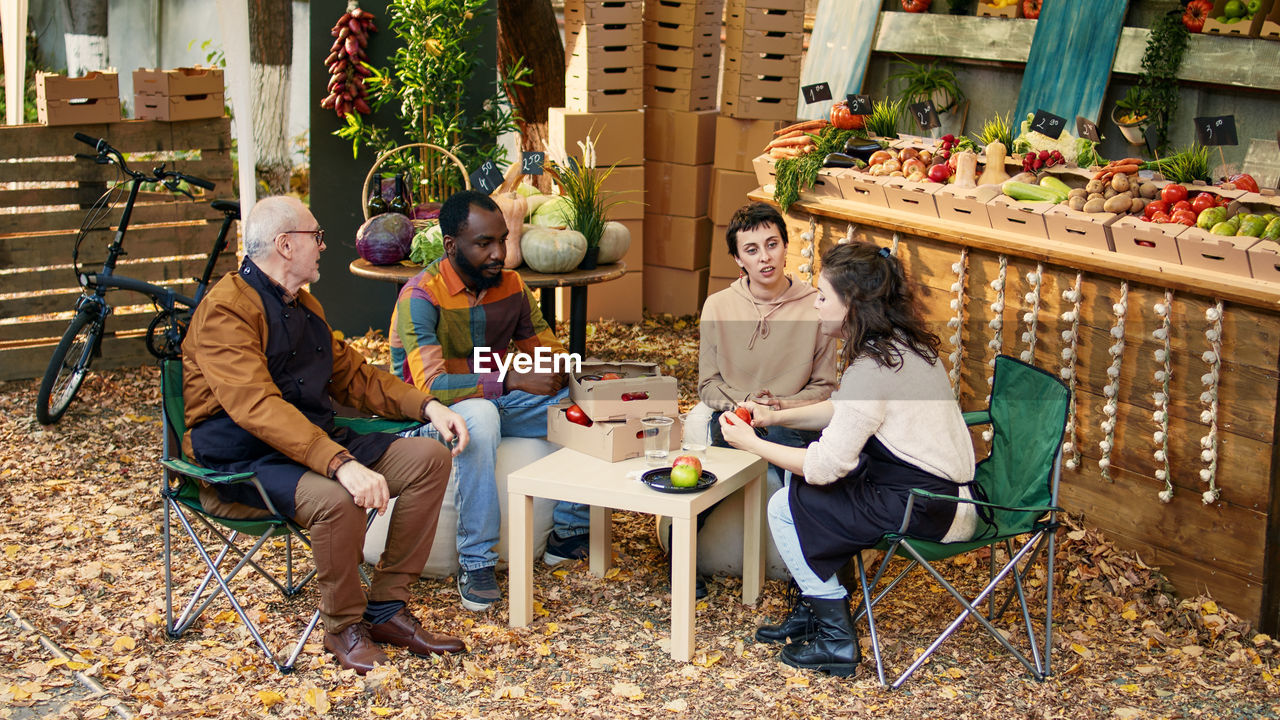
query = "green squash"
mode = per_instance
[{"x": 551, "y": 250}]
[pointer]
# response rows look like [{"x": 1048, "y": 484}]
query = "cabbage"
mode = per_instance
[
  {"x": 556, "y": 212},
  {"x": 428, "y": 245},
  {"x": 384, "y": 239}
]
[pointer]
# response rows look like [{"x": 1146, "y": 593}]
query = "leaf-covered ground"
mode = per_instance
[{"x": 80, "y": 559}]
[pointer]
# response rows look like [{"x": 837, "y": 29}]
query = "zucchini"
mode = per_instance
[
  {"x": 1027, "y": 192},
  {"x": 1056, "y": 185}
]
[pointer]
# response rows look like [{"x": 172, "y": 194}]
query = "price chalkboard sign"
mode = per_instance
[
  {"x": 1219, "y": 130},
  {"x": 1046, "y": 123},
  {"x": 858, "y": 104},
  {"x": 1087, "y": 129},
  {"x": 531, "y": 164},
  {"x": 486, "y": 178},
  {"x": 926, "y": 115},
  {"x": 816, "y": 92}
]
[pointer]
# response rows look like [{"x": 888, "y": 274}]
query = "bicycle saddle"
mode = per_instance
[{"x": 230, "y": 207}]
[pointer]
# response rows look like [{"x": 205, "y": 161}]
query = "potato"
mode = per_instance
[
  {"x": 1076, "y": 202},
  {"x": 1110, "y": 192},
  {"x": 1078, "y": 192},
  {"x": 1148, "y": 190},
  {"x": 1118, "y": 204},
  {"x": 1138, "y": 205},
  {"x": 1094, "y": 196},
  {"x": 1120, "y": 182},
  {"x": 1094, "y": 186},
  {"x": 1095, "y": 205}
]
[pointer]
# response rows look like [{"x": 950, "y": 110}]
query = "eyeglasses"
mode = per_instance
[{"x": 318, "y": 234}]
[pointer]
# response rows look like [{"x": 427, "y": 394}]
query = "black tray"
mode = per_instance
[{"x": 660, "y": 479}]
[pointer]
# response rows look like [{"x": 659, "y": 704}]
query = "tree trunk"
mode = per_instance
[
  {"x": 86, "y": 35},
  {"x": 270, "y": 55},
  {"x": 528, "y": 29}
]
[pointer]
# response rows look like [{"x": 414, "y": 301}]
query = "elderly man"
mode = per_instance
[
  {"x": 262, "y": 370},
  {"x": 459, "y": 308}
]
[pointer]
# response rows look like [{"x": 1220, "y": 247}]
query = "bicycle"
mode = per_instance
[{"x": 82, "y": 341}]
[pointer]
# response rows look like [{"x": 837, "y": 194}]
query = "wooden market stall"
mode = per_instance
[{"x": 1218, "y": 531}]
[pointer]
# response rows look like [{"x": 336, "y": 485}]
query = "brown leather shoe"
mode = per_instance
[
  {"x": 353, "y": 648},
  {"x": 404, "y": 630}
]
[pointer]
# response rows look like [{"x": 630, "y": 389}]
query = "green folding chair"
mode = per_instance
[
  {"x": 180, "y": 488},
  {"x": 1027, "y": 415}
]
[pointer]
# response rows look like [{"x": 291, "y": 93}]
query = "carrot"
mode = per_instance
[
  {"x": 793, "y": 133},
  {"x": 784, "y": 152},
  {"x": 1125, "y": 169},
  {"x": 795, "y": 141},
  {"x": 805, "y": 126}
]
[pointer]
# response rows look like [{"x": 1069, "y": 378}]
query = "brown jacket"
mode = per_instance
[{"x": 225, "y": 368}]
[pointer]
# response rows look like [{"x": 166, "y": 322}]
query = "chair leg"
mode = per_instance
[
  {"x": 869, "y": 609},
  {"x": 1048, "y": 602}
]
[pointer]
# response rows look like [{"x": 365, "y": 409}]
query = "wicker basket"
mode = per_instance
[{"x": 364, "y": 191}]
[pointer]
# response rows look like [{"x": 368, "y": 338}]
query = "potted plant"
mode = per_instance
[
  {"x": 581, "y": 183},
  {"x": 1130, "y": 114},
  {"x": 936, "y": 82}
]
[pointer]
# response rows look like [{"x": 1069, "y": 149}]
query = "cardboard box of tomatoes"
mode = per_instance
[
  {"x": 614, "y": 441},
  {"x": 619, "y": 391}
]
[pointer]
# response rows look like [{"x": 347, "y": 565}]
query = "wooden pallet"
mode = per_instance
[{"x": 44, "y": 196}]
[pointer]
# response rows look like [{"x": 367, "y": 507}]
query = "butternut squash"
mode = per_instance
[
  {"x": 966, "y": 169},
  {"x": 514, "y": 207},
  {"x": 993, "y": 173}
]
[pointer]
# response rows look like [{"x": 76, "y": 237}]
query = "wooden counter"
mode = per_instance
[{"x": 1229, "y": 548}]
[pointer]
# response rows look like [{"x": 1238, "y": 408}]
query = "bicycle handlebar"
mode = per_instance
[{"x": 158, "y": 174}]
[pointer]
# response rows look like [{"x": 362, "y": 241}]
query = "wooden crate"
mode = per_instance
[
  {"x": 1226, "y": 548},
  {"x": 44, "y": 192}
]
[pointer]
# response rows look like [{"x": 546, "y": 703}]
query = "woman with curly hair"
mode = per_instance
[{"x": 893, "y": 425}]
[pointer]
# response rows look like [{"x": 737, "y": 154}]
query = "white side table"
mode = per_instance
[{"x": 571, "y": 476}]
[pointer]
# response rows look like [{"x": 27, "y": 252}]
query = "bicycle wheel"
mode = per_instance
[
  {"x": 165, "y": 333},
  {"x": 69, "y": 365}
]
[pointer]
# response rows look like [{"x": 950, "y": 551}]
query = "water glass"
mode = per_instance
[
  {"x": 695, "y": 439},
  {"x": 657, "y": 438}
]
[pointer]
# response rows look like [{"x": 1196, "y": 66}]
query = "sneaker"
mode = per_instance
[
  {"x": 478, "y": 589},
  {"x": 574, "y": 547}
]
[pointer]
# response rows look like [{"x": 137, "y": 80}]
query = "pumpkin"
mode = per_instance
[
  {"x": 842, "y": 119},
  {"x": 614, "y": 242},
  {"x": 514, "y": 207},
  {"x": 551, "y": 250}
]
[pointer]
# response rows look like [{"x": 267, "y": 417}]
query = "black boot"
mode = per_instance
[
  {"x": 834, "y": 647},
  {"x": 798, "y": 626}
]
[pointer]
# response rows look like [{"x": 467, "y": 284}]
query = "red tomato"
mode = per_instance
[
  {"x": 1221, "y": 201},
  {"x": 1243, "y": 181},
  {"x": 1202, "y": 202},
  {"x": 611, "y": 376},
  {"x": 1155, "y": 206},
  {"x": 916, "y": 6},
  {"x": 575, "y": 414},
  {"x": 1183, "y": 217},
  {"x": 1173, "y": 193},
  {"x": 1031, "y": 9},
  {"x": 743, "y": 413},
  {"x": 1181, "y": 205},
  {"x": 1160, "y": 218}
]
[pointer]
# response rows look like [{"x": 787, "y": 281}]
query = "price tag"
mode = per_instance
[
  {"x": 486, "y": 178},
  {"x": 926, "y": 115},
  {"x": 1219, "y": 130},
  {"x": 1048, "y": 124},
  {"x": 532, "y": 163},
  {"x": 816, "y": 92},
  {"x": 859, "y": 104},
  {"x": 1087, "y": 129}
]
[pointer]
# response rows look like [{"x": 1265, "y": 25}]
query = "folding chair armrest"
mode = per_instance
[
  {"x": 977, "y": 417},
  {"x": 213, "y": 477},
  {"x": 1020, "y": 508},
  {"x": 365, "y": 425}
]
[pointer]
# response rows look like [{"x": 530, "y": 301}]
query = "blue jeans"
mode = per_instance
[
  {"x": 787, "y": 540},
  {"x": 516, "y": 414}
]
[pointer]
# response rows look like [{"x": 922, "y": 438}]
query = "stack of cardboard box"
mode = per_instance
[
  {"x": 682, "y": 54},
  {"x": 762, "y": 48},
  {"x": 180, "y": 94},
  {"x": 602, "y": 40},
  {"x": 738, "y": 142},
  {"x": 93, "y": 98}
]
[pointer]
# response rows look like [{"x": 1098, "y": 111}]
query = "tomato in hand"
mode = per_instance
[
  {"x": 1155, "y": 206},
  {"x": 1202, "y": 202},
  {"x": 575, "y": 414},
  {"x": 1173, "y": 193},
  {"x": 743, "y": 414}
]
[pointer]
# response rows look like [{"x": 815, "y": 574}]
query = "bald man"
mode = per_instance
[{"x": 261, "y": 372}]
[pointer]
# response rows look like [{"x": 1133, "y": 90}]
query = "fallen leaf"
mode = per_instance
[
  {"x": 317, "y": 698},
  {"x": 628, "y": 691},
  {"x": 269, "y": 698},
  {"x": 797, "y": 681},
  {"x": 1192, "y": 650},
  {"x": 1081, "y": 650},
  {"x": 124, "y": 643},
  {"x": 677, "y": 705},
  {"x": 508, "y": 691}
]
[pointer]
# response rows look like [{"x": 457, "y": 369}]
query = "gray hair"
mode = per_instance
[{"x": 268, "y": 218}]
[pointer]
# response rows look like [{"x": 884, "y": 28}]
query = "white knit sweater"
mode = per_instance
[{"x": 913, "y": 413}]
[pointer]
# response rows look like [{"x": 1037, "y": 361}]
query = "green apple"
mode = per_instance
[
  {"x": 684, "y": 476},
  {"x": 1234, "y": 9}
]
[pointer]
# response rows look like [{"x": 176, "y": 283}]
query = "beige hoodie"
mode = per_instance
[{"x": 748, "y": 346}]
